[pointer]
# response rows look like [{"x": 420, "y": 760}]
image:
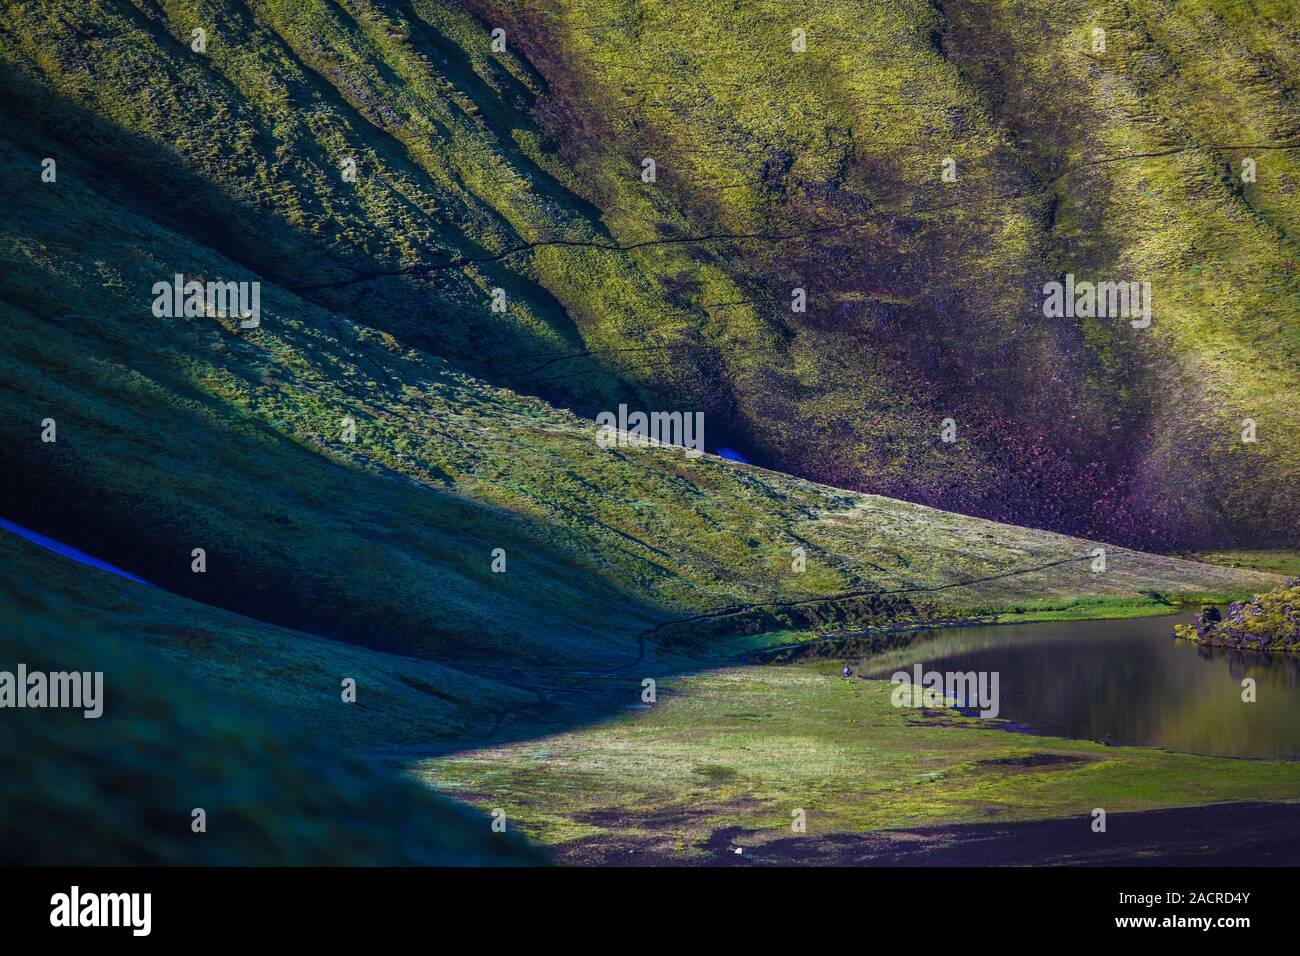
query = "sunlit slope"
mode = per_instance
[
  {"x": 521, "y": 170},
  {"x": 1181, "y": 166},
  {"x": 183, "y": 433},
  {"x": 245, "y": 148},
  {"x": 924, "y": 296}
]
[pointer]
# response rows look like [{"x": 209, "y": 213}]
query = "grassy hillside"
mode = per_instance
[
  {"x": 121, "y": 788},
  {"x": 401, "y": 701},
  {"x": 925, "y": 295},
  {"x": 377, "y": 555},
  {"x": 184, "y": 433},
  {"x": 519, "y": 170}
]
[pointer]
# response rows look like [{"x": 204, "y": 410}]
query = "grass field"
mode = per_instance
[
  {"x": 390, "y": 479},
  {"x": 735, "y": 751}
]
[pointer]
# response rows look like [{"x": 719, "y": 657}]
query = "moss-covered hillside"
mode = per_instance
[
  {"x": 122, "y": 788},
  {"x": 182, "y": 433},
  {"x": 1120, "y": 160},
  {"x": 391, "y": 480},
  {"x": 520, "y": 169}
]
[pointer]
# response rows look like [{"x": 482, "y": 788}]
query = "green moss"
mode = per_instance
[
  {"x": 1267, "y": 622},
  {"x": 120, "y": 789},
  {"x": 791, "y": 738}
]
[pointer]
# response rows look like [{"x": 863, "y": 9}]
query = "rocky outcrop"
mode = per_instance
[{"x": 1266, "y": 622}]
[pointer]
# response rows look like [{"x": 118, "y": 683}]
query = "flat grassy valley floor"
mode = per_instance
[{"x": 715, "y": 770}]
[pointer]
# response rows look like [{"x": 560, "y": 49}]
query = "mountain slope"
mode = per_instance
[
  {"x": 388, "y": 480},
  {"x": 120, "y": 789},
  {"x": 183, "y": 433},
  {"x": 925, "y": 296},
  {"x": 520, "y": 170}
]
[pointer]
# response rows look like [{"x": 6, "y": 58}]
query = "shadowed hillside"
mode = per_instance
[
  {"x": 121, "y": 788},
  {"x": 192, "y": 432},
  {"x": 183, "y": 433}
]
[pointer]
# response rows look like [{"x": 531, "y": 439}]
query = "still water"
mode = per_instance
[{"x": 1122, "y": 682}]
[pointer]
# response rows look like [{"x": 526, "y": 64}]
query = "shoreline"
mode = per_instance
[
  {"x": 1239, "y": 833},
  {"x": 768, "y": 655}
]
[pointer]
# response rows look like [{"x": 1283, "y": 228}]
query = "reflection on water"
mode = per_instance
[{"x": 1125, "y": 682}]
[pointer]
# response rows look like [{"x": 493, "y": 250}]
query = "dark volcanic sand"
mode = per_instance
[{"x": 1226, "y": 834}]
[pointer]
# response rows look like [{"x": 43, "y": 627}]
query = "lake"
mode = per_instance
[{"x": 1120, "y": 681}]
